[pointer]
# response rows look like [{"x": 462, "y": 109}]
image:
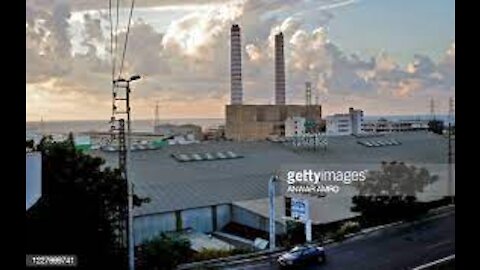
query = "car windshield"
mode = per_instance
[{"x": 296, "y": 250}]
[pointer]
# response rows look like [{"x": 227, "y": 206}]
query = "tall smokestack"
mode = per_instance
[
  {"x": 236, "y": 66},
  {"x": 279, "y": 70}
]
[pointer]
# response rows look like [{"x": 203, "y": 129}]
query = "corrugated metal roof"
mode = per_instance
[{"x": 173, "y": 185}]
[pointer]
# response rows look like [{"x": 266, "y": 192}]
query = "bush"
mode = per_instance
[
  {"x": 209, "y": 253},
  {"x": 346, "y": 228},
  {"x": 164, "y": 252}
]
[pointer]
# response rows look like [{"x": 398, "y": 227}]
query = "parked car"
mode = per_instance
[{"x": 302, "y": 255}]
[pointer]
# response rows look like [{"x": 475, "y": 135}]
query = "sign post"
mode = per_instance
[
  {"x": 271, "y": 210},
  {"x": 301, "y": 211}
]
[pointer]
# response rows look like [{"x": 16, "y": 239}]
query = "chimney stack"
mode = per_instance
[
  {"x": 279, "y": 70},
  {"x": 236, "y": 66}
]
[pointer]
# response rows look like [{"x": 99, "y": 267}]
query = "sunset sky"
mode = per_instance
[{"x": 382, "y": 56}]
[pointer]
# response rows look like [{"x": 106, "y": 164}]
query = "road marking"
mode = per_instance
[{"x": 425, "y": 266}]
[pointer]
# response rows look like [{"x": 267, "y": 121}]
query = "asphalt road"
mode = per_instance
[{"x": 389, "y": 249}]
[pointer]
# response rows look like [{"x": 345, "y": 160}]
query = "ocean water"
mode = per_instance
[{"x": 63, "y": 127}]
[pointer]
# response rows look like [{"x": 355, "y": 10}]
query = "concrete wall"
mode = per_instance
[
  {"x": 200, "y": 219},
  {"x": 251, "y": 219},
  {"x": 257, "y": 122},
  {"x": 147, "y": 227},
  {"x": 224, "y": 215}
]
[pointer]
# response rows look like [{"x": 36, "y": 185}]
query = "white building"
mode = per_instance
[
  {"x": 345, "y": 124},
  {"x": 294, "y": 126},
  {"x": 383, "y": 125}
]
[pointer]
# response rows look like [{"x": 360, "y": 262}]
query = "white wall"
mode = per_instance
[
  {"x": 254, "y": 220},
  {"x": 199, "y": 219},
  {"x": 224, "y": 215},
  {"x": 33, "y": 183},
  {"x": 147, "y": 227},
  {"x": 294, "y": 126},
  {"x": 338, "y": 125}
]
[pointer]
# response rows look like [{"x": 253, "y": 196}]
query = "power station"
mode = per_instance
[{"x": 258, "y": 122}]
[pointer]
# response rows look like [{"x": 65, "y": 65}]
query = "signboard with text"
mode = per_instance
[{"x": 299, "y": 209}]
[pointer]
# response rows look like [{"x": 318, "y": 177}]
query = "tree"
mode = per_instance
[
  {"x": 390, "y": 193},
  {"x": 164, "y": 252},
  {"x": 436, "y": 126},
  {"x": 295, "y": 232},
  {"x": 82, "y": 210}
]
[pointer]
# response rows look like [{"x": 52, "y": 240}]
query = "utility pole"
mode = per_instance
[
  {"x": 432, "y": 109},
  {"x": 156, "y": 119},
  {"x": 271, "y": 211},
  {"x": 125, "y": 152},
  {"x": 450, "y": 153},
  {"x": 308, "y": 222}
]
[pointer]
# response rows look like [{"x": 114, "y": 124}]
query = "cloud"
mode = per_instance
[{"x": 189, "y": 62}]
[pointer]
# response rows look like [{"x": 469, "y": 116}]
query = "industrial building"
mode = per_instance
[
  {"x": 294, "y": 126},
  {"x": 169, "y": 130},
  {"x": 383, "y": 125},
  {"x": 350, "y": 123},
  {"x": 207, "y": 195},
  {"x": 246, "y": 122},
  {"x": 257, "y": 122}
]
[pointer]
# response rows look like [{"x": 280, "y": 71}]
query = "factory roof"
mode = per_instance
[{"x": 173, "y": 185}]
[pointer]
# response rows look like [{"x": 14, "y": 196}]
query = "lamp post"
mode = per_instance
[
  {"x": 271, "y": 197},
  {"x": 125, "y": 83}
]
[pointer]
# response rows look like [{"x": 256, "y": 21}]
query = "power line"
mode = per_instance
[
  {"x": 126, "y": 37},
  {"x": 116, "y": 35},
  {"x": 111, "y": 38}
]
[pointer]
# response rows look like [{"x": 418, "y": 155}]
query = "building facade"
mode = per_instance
[
  {"x": 383, "y": 125},
  {"x": 258, "y": 122},
  {"x": 169, "y": 130},
  {"x": 294, "y": 126},
  {"x": 345, "y": 124}
]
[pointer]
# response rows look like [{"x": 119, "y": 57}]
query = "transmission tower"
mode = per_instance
[
  {"x": 156, "y": 119},
  {"x": 450, "y": 151},
  {"x": 432, "y": 109},
  {"x": 308, "y": 93},
  {"x": 118, "y": 136}
]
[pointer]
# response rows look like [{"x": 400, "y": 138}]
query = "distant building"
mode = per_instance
[
  {"x": 258, "y": 122},
  {"x": 345, "y": 124},
  {"x": 294, "y": 126},
  {"x": 213, "y": 134},
  {"x": 383, "y": 125},
  {"x": 169, "y": 130}
]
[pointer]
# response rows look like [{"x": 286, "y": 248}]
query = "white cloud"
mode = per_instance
[{"x": 189, "y": 63}]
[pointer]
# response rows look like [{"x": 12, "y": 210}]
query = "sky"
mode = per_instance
[{"x": 387, "y": 57}]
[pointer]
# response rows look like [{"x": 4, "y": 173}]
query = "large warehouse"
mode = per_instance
[{"x": 205, "y": 195}]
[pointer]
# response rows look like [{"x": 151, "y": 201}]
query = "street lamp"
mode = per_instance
[{"x": 271, "y": 208}]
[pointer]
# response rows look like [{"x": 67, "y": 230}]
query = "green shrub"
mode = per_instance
[
  {"x": 346, "y": 228},
  {"x": 209, "y": 253}
]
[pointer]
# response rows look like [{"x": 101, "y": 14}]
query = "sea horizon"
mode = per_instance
[{"x": 146, "y": 125}]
